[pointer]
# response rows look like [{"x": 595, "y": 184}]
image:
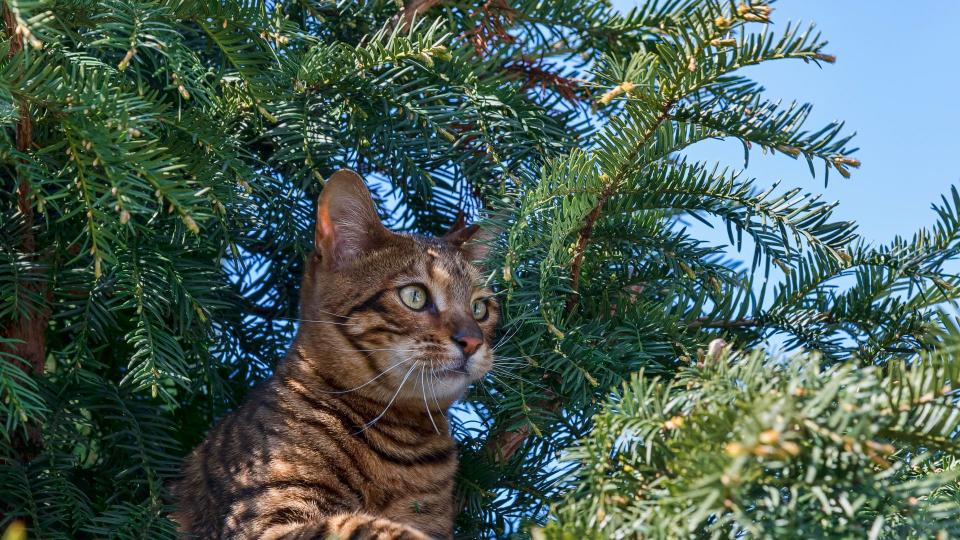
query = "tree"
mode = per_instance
[{"x": 160, "y": 165}]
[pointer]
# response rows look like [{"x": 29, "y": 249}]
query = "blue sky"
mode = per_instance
[{"x": 894, "y": 83}]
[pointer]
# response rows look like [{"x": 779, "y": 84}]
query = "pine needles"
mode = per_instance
[{"x": 161, "y": 164}]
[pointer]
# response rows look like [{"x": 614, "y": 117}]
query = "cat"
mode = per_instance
[{"x": 349, "y": 437}]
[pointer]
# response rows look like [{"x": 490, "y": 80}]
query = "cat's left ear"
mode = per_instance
[
  {"x": 465, "y": 238},
  {"x": 347, "y": 222}
]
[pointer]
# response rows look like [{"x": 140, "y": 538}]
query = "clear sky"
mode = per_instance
[{"x": 895, "y": 83}]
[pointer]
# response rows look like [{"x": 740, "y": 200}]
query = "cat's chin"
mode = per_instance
[
  {"x": 448, "y": 385},
  {"x": 444, "y": 378},
  {"x": 454, "y": 375}
]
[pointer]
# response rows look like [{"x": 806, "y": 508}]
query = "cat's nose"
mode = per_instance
[{"x": 468, "y": 338}]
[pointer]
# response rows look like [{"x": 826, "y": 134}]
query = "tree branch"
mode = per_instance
[
  {"x": 27, "y": 331},
  {"x": 505, "y": 444},
  {"x": 16, "y": 38},
  {"x": 583, "y": 237},
  {"x": 704, "y": 322}
]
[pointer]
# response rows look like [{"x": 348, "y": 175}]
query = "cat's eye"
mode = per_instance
[
  {"x": 479, "y": 309},
  {"x": 413, "y": 296}
]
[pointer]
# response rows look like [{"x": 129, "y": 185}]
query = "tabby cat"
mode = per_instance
[{"x": 349, "y": 438}]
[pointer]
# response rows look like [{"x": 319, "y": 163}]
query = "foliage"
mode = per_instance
[
  {"x": 160, "y": 165},
  {"x": 773, "y": 449}
]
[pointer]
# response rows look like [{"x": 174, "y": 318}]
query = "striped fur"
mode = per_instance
[{"x": 349, "y": 438}]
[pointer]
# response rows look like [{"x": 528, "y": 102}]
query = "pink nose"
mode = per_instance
[{"x": 469, "y": 340}]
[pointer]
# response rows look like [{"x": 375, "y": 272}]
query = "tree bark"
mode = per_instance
[{"x": 29, "y": 329}]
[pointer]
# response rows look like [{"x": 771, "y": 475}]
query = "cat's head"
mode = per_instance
[{"x": 393, "y": 314}]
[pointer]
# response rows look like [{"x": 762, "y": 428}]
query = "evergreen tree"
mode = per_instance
[{"x": 160, "y": 165}]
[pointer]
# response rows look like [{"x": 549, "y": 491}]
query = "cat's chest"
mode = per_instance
[
  {"x": 430, "y": 466},
  {"x": 380, "y": 460},
  {"x": 421, "y": 497},
  {"x": 405, "y": 477}
]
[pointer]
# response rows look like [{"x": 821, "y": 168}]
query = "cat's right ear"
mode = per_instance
[
  {"x": 347, "y": 222},
  {"x": 472, "y": 241}
]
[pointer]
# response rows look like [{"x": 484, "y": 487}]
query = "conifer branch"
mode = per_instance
[
  {"x": 143, "y": 115},
  {"x": 511, "y": 441},
  {"x": 583, "y": 235}
]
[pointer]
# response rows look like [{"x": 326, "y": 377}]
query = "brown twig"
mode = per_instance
[
  {"x": 497, "y": 17},
  {"x": 507, "y": 443},
  {"x": 16, "y": 38},
  {"x": 504, "y": 445},
  {"x": 582, "y": 238},
  {"x": 262, "y": 312},
  {"x": 540, "y": 74},
  {"x": 704, "y": 322},
  {"x": 411, "y": 9}
]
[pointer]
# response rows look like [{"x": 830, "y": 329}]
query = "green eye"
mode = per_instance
[
  {"x": 479, "y": 310},
  {"x": 414, "y": 296}
]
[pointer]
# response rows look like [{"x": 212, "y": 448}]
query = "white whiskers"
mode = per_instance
[
  {"x": 390, "y": 403},
  {"x": 503, "y": 339},
  {"x": 339, "y": 349},
  {"x": 433, "y": 390},
  {"x": 423, "y": 391},
  {"x": 381, "y": 374}
]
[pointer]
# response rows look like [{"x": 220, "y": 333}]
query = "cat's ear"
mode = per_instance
[
  {"x": 347, "y": 222},
  {"x": 460, "y": 232},
  {"x": 473, "y": 246}
]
